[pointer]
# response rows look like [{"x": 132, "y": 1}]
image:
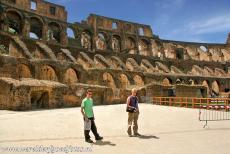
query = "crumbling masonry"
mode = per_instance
[{"x": 42, "y": 67}]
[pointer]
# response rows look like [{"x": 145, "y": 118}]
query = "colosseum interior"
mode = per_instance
[{"x": 42, "y": 66}]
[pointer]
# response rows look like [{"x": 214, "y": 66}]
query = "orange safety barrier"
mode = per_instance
[{"x": 210, "y": 109}]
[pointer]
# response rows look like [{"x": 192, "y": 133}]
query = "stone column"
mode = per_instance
[
  {"x": 4, "y": 25},
  {"x": 26, "y": 27},
  {"x": 63, "y": 37}
]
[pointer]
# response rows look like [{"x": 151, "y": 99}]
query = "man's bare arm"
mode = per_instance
[{"x": 83, "y": 113}]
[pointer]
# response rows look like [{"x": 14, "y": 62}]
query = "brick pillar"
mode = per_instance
[
  {"x": 63, "y": 37},
  {"x": 45, "y": 32},
  {"x": 4, "y": 25},
  {"x": 26, "y": 27}
]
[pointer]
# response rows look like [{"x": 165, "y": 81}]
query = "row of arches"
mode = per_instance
[
  {"x": 47, "y": 72},
  {"x": 104, "y": 41},
  {"x": 124, "y": 80},
  {"x": 33, "y": 26},
  {"x": 213, "y": 87}
]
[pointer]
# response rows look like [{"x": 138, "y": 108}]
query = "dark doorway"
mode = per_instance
[
  {"x": 203, "y": 93},
  {"x": 180, "y": 53},
  {"x": 171, "y": 93},
  {"x": 39, "y": 100}
]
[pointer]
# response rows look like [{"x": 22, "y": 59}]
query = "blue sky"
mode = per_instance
[{"x": 184, "y": 20}]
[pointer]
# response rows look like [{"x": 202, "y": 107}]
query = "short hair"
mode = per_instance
[
  {"x": 89, "y": 91},
  {"x": 134, "y": 90}
]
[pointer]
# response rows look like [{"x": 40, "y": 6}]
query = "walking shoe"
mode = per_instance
[
  {"x": 99, "y": 138},
  {"x": 89, "y": 141},
  {"x": 129, "y": 134}
]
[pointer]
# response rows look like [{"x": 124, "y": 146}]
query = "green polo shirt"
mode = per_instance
[{"x": 87, "y": 105}]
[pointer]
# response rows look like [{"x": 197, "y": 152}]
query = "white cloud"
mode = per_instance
[{"x": 219, "y": 23}]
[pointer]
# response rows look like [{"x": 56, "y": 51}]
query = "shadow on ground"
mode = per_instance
[
  {"x": 102, "y": 143},
  {"x": 148, "y": 137}
]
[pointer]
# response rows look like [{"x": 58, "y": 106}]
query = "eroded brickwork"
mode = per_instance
[{"x": 41, "y": 66}]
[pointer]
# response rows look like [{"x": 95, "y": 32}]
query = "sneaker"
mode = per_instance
[
  {"x": 99, "y": 138},
  {"x": 89, "y": 141},
  {"x": 129, "y": 134}
]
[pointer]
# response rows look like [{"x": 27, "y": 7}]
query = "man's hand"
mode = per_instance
[{"x": 86, "y": 119}]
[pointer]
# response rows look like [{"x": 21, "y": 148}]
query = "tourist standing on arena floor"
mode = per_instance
[
  {"x": 88, "y": 115},
  {"x": 133, "y": 113}
]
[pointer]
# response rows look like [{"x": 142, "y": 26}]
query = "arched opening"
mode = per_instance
[
  {"x": 143, "y": 46},
  {"x": 86, "y": 40},
  {"x": 138, "y": 81},
  {"x": 39, "y": 99},
  {"x": 167, "y": 82},
  {"x": 203, "y": 48},
  {"x": 23, "y": 71},
  {"x": 54, "y": 31},
  {"x": 206, "y": 84},
  {"x": 70, "y": 76},
  {"x": 131, "y": 45},
  {"x": 179, "y": 81},
  {"x": 124, "y": 81},
  {"x": 47, "y": 73},
  {"x": 215, "y": 88},
  {"x": 192, "y": 82},
  {"x": 36, "y": 27},
  {"x": 14, "y": 21},
  {"x": 108, "y": 80},
  {"x": 116, "y": 43},
  {"x": 70, "y": 33},
  {"x": 100, "y": 42}
]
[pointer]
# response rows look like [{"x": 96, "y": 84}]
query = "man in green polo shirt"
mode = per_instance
[{"x": 88, "y": 115}]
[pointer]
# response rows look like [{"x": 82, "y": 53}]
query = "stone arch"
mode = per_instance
[
  {"x": 138, "y": 80},
  {"x": 23, "y": 71},
  {"x": 86, "y": 39},
  {"x": 101, "y": 62},
  {"x": 54, "y": 32},
  {"x": 143, "y": 47},
  {"x": 47, "y": 73},
  {"x": 205, "y": 83},
  {"x": 14, "y": 21},
  {"x": 124, "y": 81},
  {"x": 116, "y": 43},
  {"x": 215, "y": 87},
  {"x": 166, "y": 82},
  {"x": 192, "y": 82},
  {"x": 179, "y": 81},
  {"x": 36, "y": 27},
  {"x": 132, "y": 65},
  {"x": 131, "y": 45},
  {"x": 70, "y": 76},
  {"x": 108, "y": 80},
  {"x": 70, "y": 32},
  {"x": 101, "y": 41}
]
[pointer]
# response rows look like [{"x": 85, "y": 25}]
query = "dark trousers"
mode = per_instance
[{"x": 93, "y": 129}]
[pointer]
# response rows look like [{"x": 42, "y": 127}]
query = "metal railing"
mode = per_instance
[{"x": 210, "y": 109}]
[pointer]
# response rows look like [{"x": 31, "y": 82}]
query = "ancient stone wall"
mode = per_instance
[{"x": 109, "y": 55}]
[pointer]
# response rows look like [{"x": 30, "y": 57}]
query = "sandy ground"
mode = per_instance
[{"x": 164, "y": 130}]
